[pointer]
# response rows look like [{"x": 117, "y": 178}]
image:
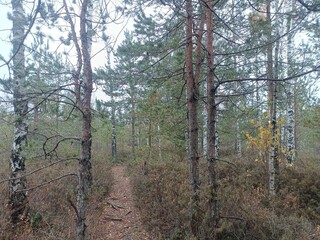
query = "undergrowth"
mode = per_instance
[
  {"x": 247, "y": 211},
  {"x": 51, "y": 215}
]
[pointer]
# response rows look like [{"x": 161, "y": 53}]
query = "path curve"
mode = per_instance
[{"x": 121, "y": 218}]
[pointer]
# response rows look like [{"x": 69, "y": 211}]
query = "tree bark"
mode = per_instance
[
  {"x": 238, "y": 139},
  {"x": 159, "y": 142},
  {"x": 150, "y": 138},
  {"x": 114, "y": 134},
  {"x": 113, "y": 112},
  {"x": 290, "y": 129},
  {"x": 273, "y": 151},
  {"x": 18, "y": 200},
  {"x": 211, "y": 125},
  {"x": 192, "y": 134},
  {"x": 85, "y": 165},
  {"x": 133, "y": 129}
]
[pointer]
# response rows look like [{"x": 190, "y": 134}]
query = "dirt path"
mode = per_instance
[{"x": 120, "y": 217}]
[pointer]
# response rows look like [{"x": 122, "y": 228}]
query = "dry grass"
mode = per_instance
[{"x": 51, "y": 215}]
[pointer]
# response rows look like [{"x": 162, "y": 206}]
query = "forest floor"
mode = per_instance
[{"x": 120, "y": 217}]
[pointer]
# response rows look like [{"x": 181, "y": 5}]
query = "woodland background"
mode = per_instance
[{"x": 212, "y": 105}]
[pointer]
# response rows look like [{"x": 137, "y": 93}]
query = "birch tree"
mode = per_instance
[
  {"x": 111, "y": 87},
  {"x": 18, "y": 200},
  {"x": 290, "y": 128}
]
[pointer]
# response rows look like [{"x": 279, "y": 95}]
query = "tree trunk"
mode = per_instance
[
  {"x": 150, "y": 138},
  {"x": 57, "y": 105},
  {"x": 85, "y": 165},
  {"x": 35, "y": 117},
  {"x": 236, "y": 74},
  {"x": 114, "y": 134},
  {"x": 296, "y": 117},
  {"x": 89, "y": 19},
  {"x": 133, "y": 131},
  {"x": 273, "y": 154},
  {"x": 238, "y": 139},
  {"x": 204, "y": 127},
  {"x": 113, "y": 107},
  {"x": 159, "y": 142},
  {"x": 273, "y": 151},
  {"x": 18, "y": 200},
  {"x": 192, "y": 103},
  {"x": 211, "y": 126},
  {"x": 290, "y": 129},
  {"x": 217, "y": 137}
]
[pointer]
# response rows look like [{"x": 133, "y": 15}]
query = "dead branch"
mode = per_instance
[
  {"x": 114, "y": 206},
  {"x": 25, "y": 35},
  {"x": 48, "y": 182},
  {"x": 128, "y": 213},
  {"x": 37, "y": 170},
  {"x": 233, "y": 217},
  {"x": 57, "y": 144},
  {"x": 73, "y": 206},
  {"x": 112, "y": 218}
]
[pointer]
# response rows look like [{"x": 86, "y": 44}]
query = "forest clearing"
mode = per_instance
[{"x": 160, "y": 119}]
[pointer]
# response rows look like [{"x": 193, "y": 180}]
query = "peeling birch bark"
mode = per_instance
[
  {"x": 290, "y": 128},
  {"x": 18, "y": 200}
]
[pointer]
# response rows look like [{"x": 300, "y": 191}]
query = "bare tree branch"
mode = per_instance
[
  {"x": 25, "y": 35},
  {"x": 37, "y": 170},
  {"x": 312, "y": 8},
  {"x": 48, "y": 182}
]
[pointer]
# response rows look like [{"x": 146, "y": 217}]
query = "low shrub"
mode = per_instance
[
  {"x": 247, "y": 211},
  {"x": 162, "y": 196}
]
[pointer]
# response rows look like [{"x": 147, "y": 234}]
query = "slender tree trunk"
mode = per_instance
[
  {"x": 159, "y": 142},
  {"x": 296, "y": 117},
  {"x": 18, "y": 200},
  {"x": 192, "y": 104},
  {"x": 133, "y": 129},
  {"x": 36, "y": 117},
  {"x": 290, "y": 129},
  {"x": 89, "y": 19},
  {"x": 270, "y": 62},
  {"x": 114, "y": 134},
  {"x": 211, "y": 125},
  {"x": 113, "y": 113},
  {"x": 238, "y": 139},
  {"x": 57, "y": 105},
  {"x": 238, "y": 142},
  {"x": 150, "y": 138},
  {"x": 139, "y": 139},
  {"x": 205, "y": 129},
  {"x": 273, "y": 153},
  {"x": 85, "y": 165},
  {"x": 217, "y": 137}
]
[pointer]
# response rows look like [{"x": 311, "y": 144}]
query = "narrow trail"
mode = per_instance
[{"x": 120, "y": 217}]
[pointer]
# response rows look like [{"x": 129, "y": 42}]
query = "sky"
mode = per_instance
[
  {"x": 5, "y": 45},
  {"x": 99, "y": 54},
  {"x": 114, "y": 30}
]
